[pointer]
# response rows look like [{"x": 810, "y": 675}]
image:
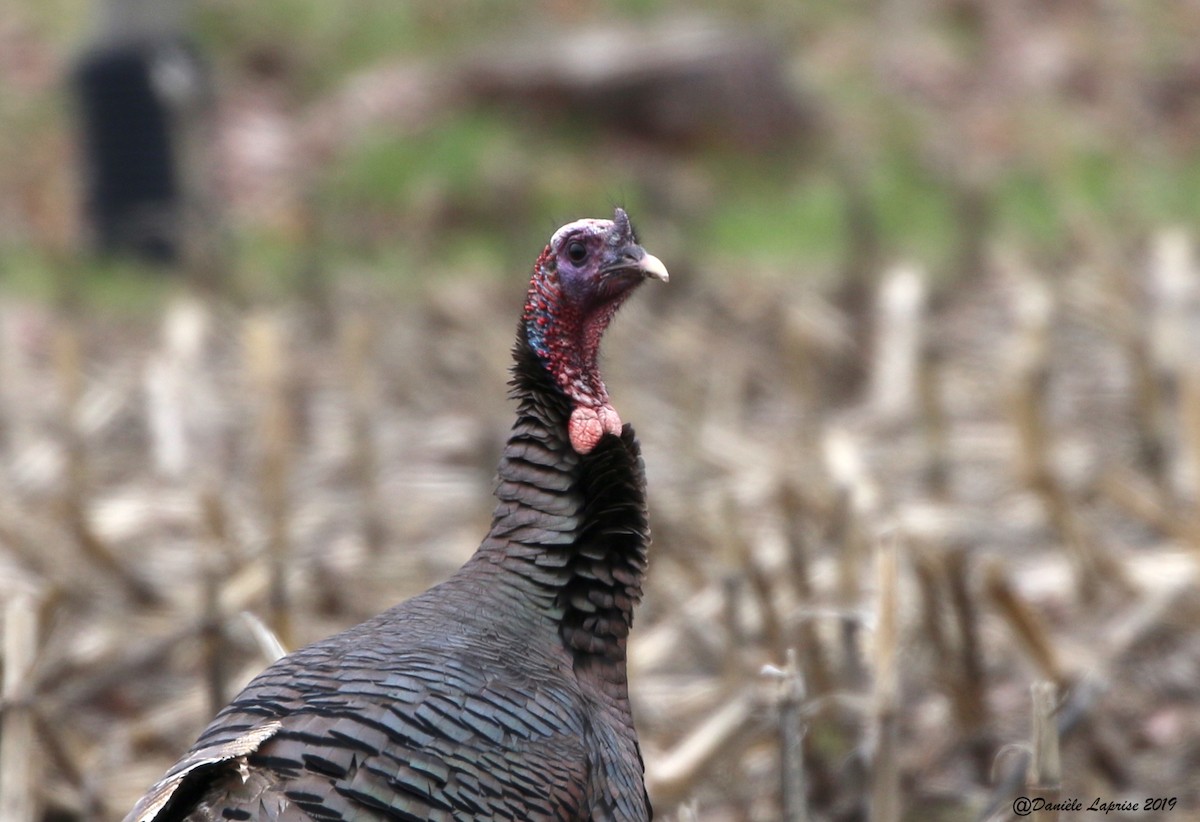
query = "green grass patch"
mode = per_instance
[
  {"x": 912, "y": 208},
  {"x": 776, "y": 222},
  {"x": 121, "y": 285},
  {"x": 387, "y": 170}
]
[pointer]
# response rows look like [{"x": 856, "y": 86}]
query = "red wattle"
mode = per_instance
[{"x": 588, "y": 424}]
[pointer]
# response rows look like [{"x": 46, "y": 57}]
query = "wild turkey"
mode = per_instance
[{"x": 500, "y": 693}]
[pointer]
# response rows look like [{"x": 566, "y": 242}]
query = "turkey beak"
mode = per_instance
[
  {"x": 635, "y": 258},
  {"x": 651, "y": 266}
]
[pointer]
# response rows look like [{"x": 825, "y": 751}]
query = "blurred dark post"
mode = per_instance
[{"x": 144, "y": 98}]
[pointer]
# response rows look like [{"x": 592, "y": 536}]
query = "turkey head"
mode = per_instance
[{"x": 581, "y": 278}]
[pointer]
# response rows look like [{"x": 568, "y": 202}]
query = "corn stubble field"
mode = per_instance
[
  {"x": 924, "y": 543},
  {"x": 913, "y": 557}
]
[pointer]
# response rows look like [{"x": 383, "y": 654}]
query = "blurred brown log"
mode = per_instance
[{"x": 680, "y": 82}]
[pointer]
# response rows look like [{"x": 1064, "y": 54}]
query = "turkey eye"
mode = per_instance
[{"x": 577, "y": 251}]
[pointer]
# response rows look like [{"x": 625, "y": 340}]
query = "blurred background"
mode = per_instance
[{"x": 919, "y": 406}]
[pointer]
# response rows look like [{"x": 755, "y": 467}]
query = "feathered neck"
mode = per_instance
[{"x": 571, "y": 528}]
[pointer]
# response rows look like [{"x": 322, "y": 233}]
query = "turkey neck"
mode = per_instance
[{"x": 569, "y": 533}]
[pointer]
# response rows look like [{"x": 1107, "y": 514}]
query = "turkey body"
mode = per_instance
[
  {"x": 499, "y": 694},
  {"x": 484, "y": 723}
]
